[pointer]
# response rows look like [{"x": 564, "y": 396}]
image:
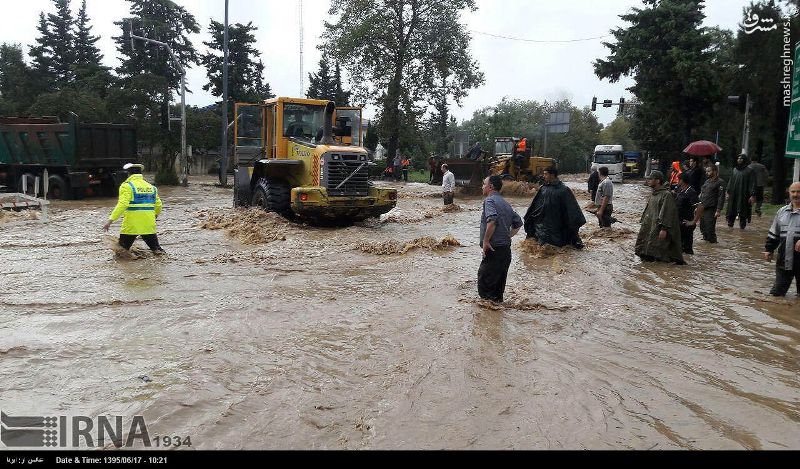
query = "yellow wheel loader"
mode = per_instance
[{"x": 288, "y": 160}]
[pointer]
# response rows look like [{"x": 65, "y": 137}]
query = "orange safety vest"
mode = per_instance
[
  {"x": 406, "y": 163},
  {"x": 522, "y": 145},
  {"x": 675, "y": 177}
]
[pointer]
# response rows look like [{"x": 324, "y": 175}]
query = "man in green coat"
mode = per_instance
[{"x": 660, "y": 236}]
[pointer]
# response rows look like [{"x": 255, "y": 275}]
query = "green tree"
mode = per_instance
[
  {"x": 371, "y": 138},
  {"x": 618, "y": 132},
  {"x": 42, "y": 55},
  {"x": 164, "y": 21},
  {"x": 138, "y": 100},
  {"x": 203, "y": 126},
  {"x": 320, "y": 84},
  {"x": 760, "y": 73},
  {"x": 246, "y": 81},
  {"x": 90, "y": 75},
  {"x": 323, "y": 85},
  {"x": 668, "y": 53},
  {"x": 16, "y": 89},
  {"x": 86, "y": 51},
  {"x": 385, "y": 47},
  {"x": 340, "y": 96},
  {"x": 62, "y": 42},
  {"x": 452, "y": 75},
  {"x": 87, "y": 106},
  {"x": 518, "y": 118}
]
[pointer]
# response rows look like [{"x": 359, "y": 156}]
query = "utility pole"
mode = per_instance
[
  {"x": 302, "y": 78},
  {"x": 184, "y": 176},
  {"x": 746, "y": 130},
  {"x": 223, "y": 167}
]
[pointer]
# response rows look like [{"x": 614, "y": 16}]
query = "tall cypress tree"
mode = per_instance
[
  {"x": 340, "y": 96},
  {"x": 42, "y": 55},
  {"x": 62, "y": 42},
  {"x": 86, "y": 52},
  {"x": 246, "y": 81},
  {"x": 320, "y": 83}
]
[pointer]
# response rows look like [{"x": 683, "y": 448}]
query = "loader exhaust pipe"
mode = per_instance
[{"x": 327, "y": 127}]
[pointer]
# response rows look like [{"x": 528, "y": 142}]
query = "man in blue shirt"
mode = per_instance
[{"x": 499, "y": 223}]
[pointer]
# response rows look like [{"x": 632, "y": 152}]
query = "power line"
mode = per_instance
[{"x": 499, "y": 36}]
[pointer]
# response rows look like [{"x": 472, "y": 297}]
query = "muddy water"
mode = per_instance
[{"x": 306, "y": 340}]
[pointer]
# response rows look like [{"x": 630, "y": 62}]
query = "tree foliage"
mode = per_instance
[
  {"x": 16, "y": 88},
  {"x": 390, "y": 49},
  {"x": 669, "y": 54},
  {"x": 520, "y": 118},
  {"x": 327, "y": 84},
  {"x": 246, "y": 81},
  {"x": 164, "y": 21}
]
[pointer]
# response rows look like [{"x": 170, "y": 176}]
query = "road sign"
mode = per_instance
[
  {"x": 558, "y": 122},
  {"x": 793, "y": 136}
]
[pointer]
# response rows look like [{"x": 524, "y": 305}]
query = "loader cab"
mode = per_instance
[
  {"x": 504, "y": 146},
  {"x": 264, "y": 130},
  {"x": 347, "y": 126}
]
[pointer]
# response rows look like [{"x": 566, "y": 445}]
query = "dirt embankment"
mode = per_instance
[
  {"x": 248, "y": 226},
  {"x": 384, "y": 248}
]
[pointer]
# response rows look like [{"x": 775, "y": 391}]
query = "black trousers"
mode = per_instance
[
  {"x": 126, "y": 241},
  {"x": 759, "y": 193},
  {"x": 743, "y": 219},
  {"x": 405, "y": 174},
  {"x": 687, "y": 238},
  {"x": 605, "y": 222},
  {"x": 708, "y": 224},
  {"x": 447, "y": 197},
  {"x": 783, "y": 278},
  {"x": 493, "y": 272}
]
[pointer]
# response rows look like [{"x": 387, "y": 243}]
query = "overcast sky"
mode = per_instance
[{"x": 513, "y": 68}]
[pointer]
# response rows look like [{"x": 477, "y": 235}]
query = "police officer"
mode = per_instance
[{"x": 139, "y": 204}]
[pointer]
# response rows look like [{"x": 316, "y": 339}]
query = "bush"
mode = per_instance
[{"x": 167, "y": 177}]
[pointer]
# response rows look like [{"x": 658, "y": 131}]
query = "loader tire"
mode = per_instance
[{"x": 273, "y": 196}]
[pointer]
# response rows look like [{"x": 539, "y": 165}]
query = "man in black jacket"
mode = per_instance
[{"x": 554, "y": 216}]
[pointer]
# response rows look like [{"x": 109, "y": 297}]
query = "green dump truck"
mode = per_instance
[{"x": 81, "y": 159}]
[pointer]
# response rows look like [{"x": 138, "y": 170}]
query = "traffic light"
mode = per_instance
[
  {"x": 621, "y": 105},
  {"x": 594, "y": 103}
]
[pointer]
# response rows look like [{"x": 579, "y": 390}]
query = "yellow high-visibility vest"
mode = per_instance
[{"x": 139, "y": 204}]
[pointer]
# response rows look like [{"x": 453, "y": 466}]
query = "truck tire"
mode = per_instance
[
  {"x": 273, "y": 196},
  {"x": 57, "y": 188}
]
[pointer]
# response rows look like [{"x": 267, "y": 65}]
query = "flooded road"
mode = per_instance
[{"x": 305, "y": 338}]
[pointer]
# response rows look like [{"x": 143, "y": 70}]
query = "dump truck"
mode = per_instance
[
  {"x": 81, "y": 159},
  {"x": 287, "y": 160}
]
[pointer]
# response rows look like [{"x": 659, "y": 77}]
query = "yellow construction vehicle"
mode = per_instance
[
  {"x": 513, "y": 162},
  {"x": 347, "y": 126},
  {"x": 287, "y": 160}
]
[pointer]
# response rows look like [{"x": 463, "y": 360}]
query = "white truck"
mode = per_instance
[{"x": 610, "y": 156}]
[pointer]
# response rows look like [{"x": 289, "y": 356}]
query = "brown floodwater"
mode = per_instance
[{"x": 256, "y": 333}]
